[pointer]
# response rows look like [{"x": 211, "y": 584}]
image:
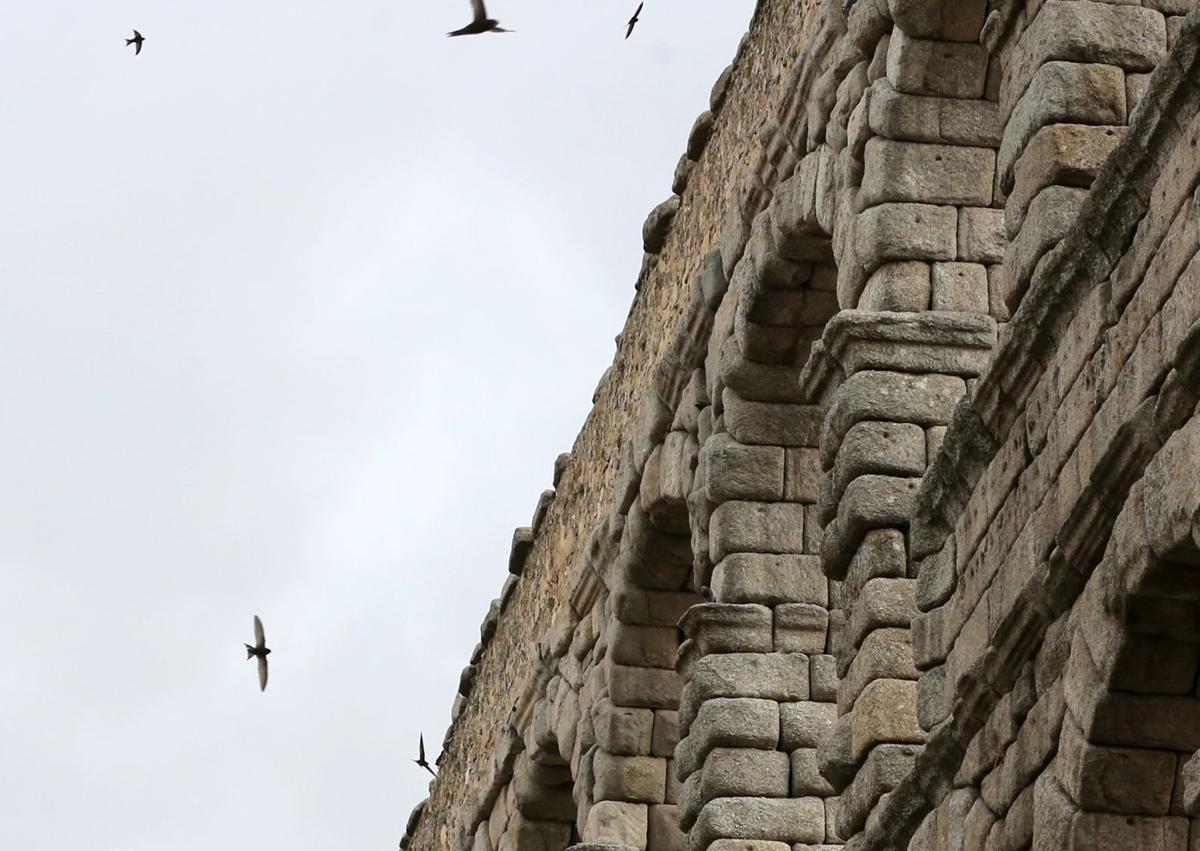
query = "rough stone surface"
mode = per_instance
[{"x": 883, "y": 530}]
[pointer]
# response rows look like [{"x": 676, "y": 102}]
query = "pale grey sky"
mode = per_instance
[{"x": 298, "y": 308}]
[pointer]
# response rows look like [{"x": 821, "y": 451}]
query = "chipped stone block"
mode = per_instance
[
  {"x": 958, "y": 21},
  {"x": 772, "y": 676},
  {"x": 981, "y": 235},
  {"x": 537, "y": 799},
  {"x": 1107, "y": 779},
  {"x": 653, "y": 608},
  {"x": 869, "y": 502},
  {"x": 534, "y": 834},
  {"x": 873, "y": 447},
  {"x": 885, "y": 766},
  {"x": 884, "y": 654},
  {"x": 881, "y": 555},
  {"x": 1051, "y": 214},
  {"x": 889, "y": 396}
]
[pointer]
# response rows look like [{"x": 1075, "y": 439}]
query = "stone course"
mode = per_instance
[{"x": 884, "y": 530}]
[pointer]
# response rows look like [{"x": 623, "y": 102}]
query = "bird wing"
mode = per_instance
[
  {"x": 639, "y": 9},
  {"x": 422, "y": 742},
  {"x": 262, "y": 673},
  {"x": 137, "y": 47},
  {"x": 136, "y": 34},
  {"x": 259, "y": 638},
  {"x": 480, "y": 12}
]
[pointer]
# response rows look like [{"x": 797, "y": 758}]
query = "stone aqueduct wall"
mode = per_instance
[{"x": 884, "y": 530}]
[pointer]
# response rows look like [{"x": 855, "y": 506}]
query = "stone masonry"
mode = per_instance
[{"x": 884, "y": 530}]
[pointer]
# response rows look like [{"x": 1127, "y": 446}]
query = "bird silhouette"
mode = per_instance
[
  {"x": 481, "y": 22},
  {"x": 259, "y": 651},
  {"x": 633, "y": 21},
  {"x": 137, "y": 40},
  {"x": 420, "y": 760}
]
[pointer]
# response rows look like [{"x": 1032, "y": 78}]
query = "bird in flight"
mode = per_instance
[
  {"x": 633, "y": 21},
  {"x": 421, "y": 761},
  {"x": 137, "y": 40},
  {"x": 259, "y": 650},
  {"x": 481, "y": 23}
]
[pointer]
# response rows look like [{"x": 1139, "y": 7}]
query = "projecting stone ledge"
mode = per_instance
[
  {"x": 934, "y": 342},
  {"x": 658, "y": 225}
]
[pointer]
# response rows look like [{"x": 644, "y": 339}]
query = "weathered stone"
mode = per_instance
[
  {"x": 961, "y": 287},
  {"x": 929, "y": 174},
  {"x": 617, "y": 823},
  {"x": 728, "y": 628},
  {"x": 663, "y": 829},
  {"x": 805, "y": 724},
  {"x": 806, "y": 775},
  {"x": 731, "y": 723},
  {"x": 770, "y": 579},
  {"x": 742, "y": 772},
  {"x": 894, "y": 449},
  {"x": 800, "y": 628},
  {"x": 766, "y": 423},
  {"x": 1063, "y": 93},
  {"x": 642, "y": 646},
  {"x": 658, "y": 225},
  {"x": 641, "y": 779},
  {"x": 756, "y": 527},
  {"x": 654, "y": 688},
  {"x": 886, "y": 711},
  {"x": 903, "y": 286},
  {"x": 900, "y": 231},
  {"x": 786, "y": 819},
  {"x": 734, "y": 471},
  {"x": 1058, "y": 154},
  {"x": 959, "y": 69},
  {"x": 895, "y": 115},
  {"x": 773, "y": 676},
  {"x": 698, "y": 138}
]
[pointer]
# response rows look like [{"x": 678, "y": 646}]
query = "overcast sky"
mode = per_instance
[{"x": 299, "y": 306}]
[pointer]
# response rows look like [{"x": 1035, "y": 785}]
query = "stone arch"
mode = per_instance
[{"x": 1126, "y": 771}]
